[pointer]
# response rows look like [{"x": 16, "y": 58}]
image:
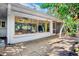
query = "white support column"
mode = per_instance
[
  {"x": 10, "y": 24},
  {"x": 51, "y": 27}
]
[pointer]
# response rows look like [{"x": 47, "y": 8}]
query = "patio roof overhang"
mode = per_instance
[{"x": 23, "y": 9}]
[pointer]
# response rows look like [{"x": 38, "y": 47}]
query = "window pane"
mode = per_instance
[
  {"x": 43, "y": 26},
  {"x": 34, "y": 28},
  {"x": 3, "y": 24},
  {"x": 24, "y": 25}
]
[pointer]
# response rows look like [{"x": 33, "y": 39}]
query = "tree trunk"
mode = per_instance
[{"x": 61, "y": 30}]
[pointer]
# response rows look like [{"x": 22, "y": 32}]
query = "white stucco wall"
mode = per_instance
[
  {"x": 3, "y": 14},
  {"x": 3, "y": 32},
  {"x": 29, "y": 37},
  {"x": 12, "y": 38}
]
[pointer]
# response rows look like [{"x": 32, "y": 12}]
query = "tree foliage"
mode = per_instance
[
  {"x": 68, "y": 12},
  {"x": 62, "y": 9}
]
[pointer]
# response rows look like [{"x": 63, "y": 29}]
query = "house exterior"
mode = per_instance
[{"x": 20, "y": 23}]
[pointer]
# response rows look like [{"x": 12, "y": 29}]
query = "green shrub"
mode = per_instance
[{"x": 71, "y": 26}]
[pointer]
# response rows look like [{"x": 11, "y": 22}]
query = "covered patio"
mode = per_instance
[{"x": 19, "y": 24}]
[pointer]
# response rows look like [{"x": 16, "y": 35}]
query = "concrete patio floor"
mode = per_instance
[
  {"x": 50, "y": 46},
  {"x": 32, "y": 48}
]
